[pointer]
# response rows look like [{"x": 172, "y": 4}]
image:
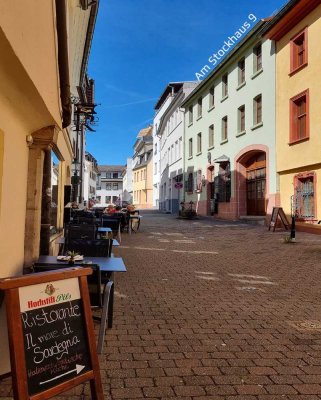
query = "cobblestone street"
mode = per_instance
[{"x": 213, "y": 310}]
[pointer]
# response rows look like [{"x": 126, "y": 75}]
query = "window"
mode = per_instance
[
  {"x": 224, "y": 129},
  {"x": 172, "y": 153},
  {"x": 241, "y": 119},
  {"x": 224, "y": 85},
  {"x": 175, "y": 154},
  {"x": 199, "y": 143},
  {"x": 107, "y": 199},
  {"x": 190, "y": 147},
  {"x": 108, "y": 186},
  {"x": 211, "y": 136},
  {"x": 115, "y": 186},
  {"x": 299, "y": 50},
  {"x": 304, "y": 199},
  {"x": 222, "y": 183},
  {"x": 211, "y": 101},
  {"x": 168, "y": 155},
  {"x": 141, "y": 175},
  {"x": 98, "y": 199},
  {"x": 299, "y": 117},
  {"x": 257, "y": 52},
  {"x": 190, "y": 183},
  {"x": 155, "y": 168},
  {"x": 115, "y": 198},
  {"x": 199, "y": 107},
  {"x": 180, "y": 147},
  {"x": 241, "y": 71},
  {"x": 108, "y": 175},
  {"x": 190, "y": 115},
  {"x": 115, "y": 175},
  {"x": 155, "y": 148},
  {"x": 257, "y": 109}
]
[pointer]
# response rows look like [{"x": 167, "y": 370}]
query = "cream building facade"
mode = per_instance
[
  {"x": 296, "y": 31},
  {"x": 35, "y": 111}
]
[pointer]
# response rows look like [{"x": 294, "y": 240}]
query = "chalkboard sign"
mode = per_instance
[
  {"x": 52, "y": 333},
  {"x": 278, "y": 211}
]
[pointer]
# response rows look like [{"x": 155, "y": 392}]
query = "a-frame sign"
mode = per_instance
[
  {"x": 51, "y": 334},
  {"x": 278, "y": 212}
]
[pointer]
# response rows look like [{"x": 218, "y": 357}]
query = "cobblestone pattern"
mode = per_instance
[{"x": 211, "y": 310}]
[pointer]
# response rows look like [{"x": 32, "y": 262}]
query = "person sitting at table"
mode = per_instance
[{"x": 110, "y": 209}]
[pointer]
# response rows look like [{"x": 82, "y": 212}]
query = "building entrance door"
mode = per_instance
[{"x": 255, "y": 185}]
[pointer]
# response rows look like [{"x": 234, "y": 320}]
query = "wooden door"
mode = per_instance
[{"x": 255, "y": 185}]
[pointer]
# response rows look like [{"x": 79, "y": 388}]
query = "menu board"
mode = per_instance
[{"x": 55, "y": 337}]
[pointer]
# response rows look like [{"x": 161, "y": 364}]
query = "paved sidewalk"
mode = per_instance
[{"x": 212, "y": 310}]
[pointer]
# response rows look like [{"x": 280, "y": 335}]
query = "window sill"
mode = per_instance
[
  {"x": 256, "y": 126},
  {"x": 198, "y": 118},
  {"x": 257, "y": 73},
  {"x": 298, "y": 141},
  {"x": 197, "y": 154},
  {"x": 211, "y": 108},
  {"x": 190, "y": 124},
  {"x": 297, "y": 69},
  {"x": 210, "y": 148},
  {"x": 240, "y": 133},
  {"x": 224, "y": 98},
  {"x": 224, "y": 141},
  {"x": 241, "y": 85},
  {"x": 190, "y": 157}
]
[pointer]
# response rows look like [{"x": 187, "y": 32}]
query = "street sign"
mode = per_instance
[
  {"x": 51, "y": 333},
  {"x": 178, "y": 185}
]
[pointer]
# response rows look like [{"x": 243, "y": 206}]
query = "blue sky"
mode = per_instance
[{"x": 141, "y": 45}]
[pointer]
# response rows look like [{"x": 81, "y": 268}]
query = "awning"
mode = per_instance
[{"x": 222, "y": 159}]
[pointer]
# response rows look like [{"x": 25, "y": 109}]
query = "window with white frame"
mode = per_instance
[
  {"x": 199, "y": 143},
  {"x": 211, "y": 136}
]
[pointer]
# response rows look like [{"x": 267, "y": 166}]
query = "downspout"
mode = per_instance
[{"x": 63, "y": 63}]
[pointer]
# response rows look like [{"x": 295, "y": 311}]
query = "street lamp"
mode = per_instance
[{"x": 75, "y": 179}]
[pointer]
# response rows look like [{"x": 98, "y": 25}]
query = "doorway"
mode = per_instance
[{"x": 256, "y": 184}]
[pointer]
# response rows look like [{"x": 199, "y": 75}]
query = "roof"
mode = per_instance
[
  {"x": 110, "y": 168},
  {"x": 171, "y": 87},
  {"x": 290, "y": 15},
  {"x": 254, "y": 31},
  {"x": 145, "y": 132}
]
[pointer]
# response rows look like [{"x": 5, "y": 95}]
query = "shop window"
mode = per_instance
[
  {"x": 299, "y": 117},
  {"x": 299, "y": 51}
]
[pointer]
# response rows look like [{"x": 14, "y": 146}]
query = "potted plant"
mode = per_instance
[{"x": 72, "y": 254}]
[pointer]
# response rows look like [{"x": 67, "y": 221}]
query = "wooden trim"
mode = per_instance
[
  {"x": 293, "y": 67},
  {"x": 293, "y": 119},
  {"x": 291, "y": 19}
]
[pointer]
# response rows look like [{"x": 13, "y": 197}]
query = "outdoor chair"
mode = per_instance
[
  {"x": 114, "y": 223},
  {"x": 101, "y": 297},
  {"x": 90, "y": 247},
  {"x": 80, "y": 231}
]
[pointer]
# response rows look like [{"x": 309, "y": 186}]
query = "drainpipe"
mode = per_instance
[{"x": 63, "y": 63}]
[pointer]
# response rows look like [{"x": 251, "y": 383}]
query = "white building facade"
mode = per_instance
[
  {"x": 128, "y": 182},
  {"x": 171, "y": 136},
  {"x": 109, "y": 185},
  {"x": 90, "y": 178},
  {"x": 160, "y": 107},
  {"x": 230, "y": 166}
]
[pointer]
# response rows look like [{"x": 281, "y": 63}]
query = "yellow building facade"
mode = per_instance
[
  {"x": 297, "y": 32},
  {"x": 143, "y": 169},
  {"x": 35, "y": 113}
]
